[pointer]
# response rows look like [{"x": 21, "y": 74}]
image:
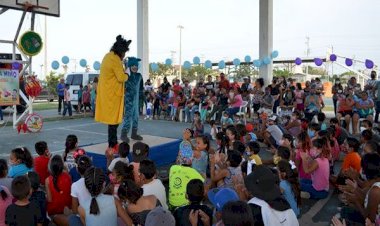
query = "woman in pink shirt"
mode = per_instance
[
  {"x": 319, "y": 168},
  {"x": 303, "y": 145},
  {"x": 236, "y": 101}
]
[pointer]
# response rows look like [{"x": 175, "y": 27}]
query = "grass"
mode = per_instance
[{"x": 45, "y": 106}]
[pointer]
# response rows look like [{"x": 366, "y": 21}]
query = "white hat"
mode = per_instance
[{"x": 273, "y": 118}]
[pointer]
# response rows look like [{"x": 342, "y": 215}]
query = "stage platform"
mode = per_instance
[{"x": 163, "y": 150}]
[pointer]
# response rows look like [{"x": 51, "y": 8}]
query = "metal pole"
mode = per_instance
[
  {"x": 180, "y": 51},
  {"x": 307, "y": 52},
  {"x": 266, "y": 38},
  {"x": 45, "y": 45},
  {"x": 32, "y": 29}
]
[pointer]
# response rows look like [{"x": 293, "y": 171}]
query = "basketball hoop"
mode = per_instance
[{"x": 29, "y": 6}]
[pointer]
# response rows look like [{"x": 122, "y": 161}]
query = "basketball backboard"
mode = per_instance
[{"x": 46, "y": 7}]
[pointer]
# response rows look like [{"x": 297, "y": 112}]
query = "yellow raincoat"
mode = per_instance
[{"x": 110, "y": 91}]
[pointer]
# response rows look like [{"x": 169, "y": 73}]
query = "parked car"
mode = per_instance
[{"x": 77, "y": 79}]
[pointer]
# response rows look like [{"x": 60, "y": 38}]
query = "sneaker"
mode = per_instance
[
  {"x": 2, "y": 122},
  {"x": 305, "y": 195}
]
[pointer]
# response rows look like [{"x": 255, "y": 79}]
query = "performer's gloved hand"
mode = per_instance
[{"x": 128, "y": 71}]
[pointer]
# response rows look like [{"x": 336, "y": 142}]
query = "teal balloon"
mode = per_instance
[
  {"x": 96, "y": 65},
  {"x": 55, "y": 65},
  {"x": 274, "y": 54},
  {"x": 196, "y": 60},
  {"x": 83, "y": 63},
  {"x": 187, "y": 65},
  {"x": 236, "y": 62},
  {"x": 154, "y": 67},
  {"x": 221, "y": 64},
  {"x": 168, "y": 62},
  {"x": 257, "y": 63},
  {"x": 267, "y": 60},
  {"x": 247, "y": 59},
  {"x": 65, "y": 60},
  {"x": 208, "y": 64}
]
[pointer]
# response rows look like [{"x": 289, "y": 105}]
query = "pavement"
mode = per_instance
[{"x": 56, "y": 129}]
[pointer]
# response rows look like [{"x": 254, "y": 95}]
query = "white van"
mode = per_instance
[{"x": 76, "y": 79}]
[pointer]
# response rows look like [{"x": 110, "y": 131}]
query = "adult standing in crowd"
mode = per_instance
[
  {"x": 94, "y": 87},
  {"x": 110, "y": 92},
  {"x": 165, "y": 87},
  {"x": 61, "y": 95},
  {"x": 337, "y": 90}
]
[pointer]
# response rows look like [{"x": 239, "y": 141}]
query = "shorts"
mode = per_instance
[
  {"x": 344, "y": 113},
  {"x": 80, "y": 100},
  {"x": 148, "y": 111}
]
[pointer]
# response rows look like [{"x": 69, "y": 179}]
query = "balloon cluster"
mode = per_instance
[
  {"x": 32, "y": 86},
  {"x": 369, "y": 64},
  {"x": 83, "y": 63}
]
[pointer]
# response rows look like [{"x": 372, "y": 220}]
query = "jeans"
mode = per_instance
[
  {"x": 60, "y": 101},
  {"x": 189, "y": 112},
  {"x": 335, "y": 101},
  {"x": 275, "y": 105},
  {"x": 173, "y": 111},
  {"x": 112, "y": 135},
  {"x": 232, "y": 111},
  {"x": 74, "y": 220},
  {"x": 1, "y": 114},
  {"x": 67, "y": 107},
  {"x": 306, "y": 185}
]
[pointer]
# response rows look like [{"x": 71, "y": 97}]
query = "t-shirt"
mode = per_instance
[
  {"x": 320, "y": 177},
  {"x": 7, "y": 182},
  {"x": 200, "y": 164},
  {"x": 79, "y": 191},
  {"x": 256, "y": 158},
  {"x": 18, "y": 170},
  {"x": 27, "y": 215},
  {"x": 352, "y": 160},
  {"x": 149, "y": 105},
  {"x": 41, "y": 167},
  {"x": 289, "y": 196},
  {"x": 181, "y": 214},
  {"x": 179, "y": 177},
  {"x": 115, "y": 160},
  {"x": 275, "y": 132},
  {"x": 209, "y": 85},
  {"x": 238, "y": 101},
  {"x": 107, "y": 214},
  {"x": 4, "y": 205},
  {"x": 157, "y": 189},
  {"x": 60, "y": 198},
  {"x": 39, "y": 199}
]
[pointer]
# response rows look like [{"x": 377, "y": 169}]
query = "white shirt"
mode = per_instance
[
  {"x": 115, "y": 160},
  {"x": 276, "y": 133},
  {"x": 79, "y": 191},
  {"x": 157, "y": 189},
  {"x": 149, "y": 105}
]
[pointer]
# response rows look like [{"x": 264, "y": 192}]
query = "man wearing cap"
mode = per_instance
[
  {"x": 219, "y": 197},
  {"x": 273, "y": 133},
  {"x": 132, "y": 100},
  {"x": 268, "y": 206}
]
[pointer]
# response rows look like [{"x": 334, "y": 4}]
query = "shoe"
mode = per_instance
[
  {"x": 124, "y": 136},
  {"x": 59, "y": 113},
  {"x": 135, "y": 136},
  {"x": 305, "y": 195},
  {"x": 2, "y": 122}
]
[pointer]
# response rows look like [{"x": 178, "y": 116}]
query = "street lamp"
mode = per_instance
[{"x": 180, "y": 27}]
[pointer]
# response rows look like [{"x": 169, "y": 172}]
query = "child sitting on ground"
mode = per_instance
[
  {"x": 21, "y": 162},
  {"x": 42, "y": 160},
  {"x": 71, "y": 146},
  {"x": 123, "y": 156},
  {"x": 195, "y": 195},
  {"x": 22, "y": 212},
  {"x": 5, "y": 201},
  {"x": 321, "y": 120},
  {"x": 4, "y": 180},
  {"x": 230, "y": 175},
  {"x": 200, "y": 155},
  {"x": 272, "y": 134},
  {"x": 214, "y": 129},
  {"x": 79, "y": 193},
  {"x": 253, "y": 149},
  {"x": 38, "y": 197},
  {"x": 226, "y": 120},
  {"x": 140, "y": 151},
  {"x": 197, "y": 125},
  {"x": 121, "y": 172}
]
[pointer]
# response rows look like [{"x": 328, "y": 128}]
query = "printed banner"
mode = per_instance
[{"x": 9, "y": 87}]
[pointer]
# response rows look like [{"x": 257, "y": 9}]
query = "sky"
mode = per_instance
[{"x": 213, "y": 29}]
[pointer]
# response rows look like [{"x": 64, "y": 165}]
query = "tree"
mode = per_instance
[
  {"x": 242, "y": 71},
  {"x": 52, "y": 81},
  {"x": 282, "y": 73},
  {"x": 196, "y": 72},
  {"x": 163, "y": 70}
]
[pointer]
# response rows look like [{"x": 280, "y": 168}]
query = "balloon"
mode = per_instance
[
  {"x": 274, "y": 54},
  {"x": 196, "y": 60},
  {"x": 96, "y": 65},
  {"x": 187, "y": 65},
  {"x": 298, "y": 61},
  {"x": 83, "y": 63},
  {"x": 221, "y": 64},
  {"x": 257, "y": 63},
  {"x": 15, "y": 65},
  {"x": 55, "y": 65},
  {"x": 369, "y": 64},
  {"x": 154, "y": 67},
  {"x": 168, "y": 62},
  {"x": 208, "y": 64},
  {"x": 247, "y": 59},
  {"x": 267, "y": 60},
  {"x": 333, "y": 57},
  {"x": 236, "y": 62},
  {"x": 318, "y": 61},
  {"x": 348, "y": 62},
  {"x": 65, "y": 60}
]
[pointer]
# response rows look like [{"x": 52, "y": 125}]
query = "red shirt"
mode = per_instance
[
  {"x": 61, "y": 198},
  {"x": 41, "y": 167},
  {"x": 224, "y": 83}
]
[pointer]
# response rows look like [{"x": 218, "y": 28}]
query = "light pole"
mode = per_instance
[{"x": 180, "y": 27}]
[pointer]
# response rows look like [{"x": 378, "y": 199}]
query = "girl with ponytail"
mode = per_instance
[
  {"x": 99, "y": 209},
  {"x": 21, "y": 162},
  {"x": 58, "y": 189},
  {"x": 71, "y": 145},
  {"x": 289, "y": 185}
]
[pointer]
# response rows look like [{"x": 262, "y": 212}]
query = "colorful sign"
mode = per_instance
[
  {"x": 31, "y": 43},
  {"x": 9, "y": 87}
]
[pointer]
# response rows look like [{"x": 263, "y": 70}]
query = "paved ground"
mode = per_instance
[{"x": 55, "y": 131}]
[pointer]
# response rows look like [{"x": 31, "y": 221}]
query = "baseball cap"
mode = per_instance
[
  {"x": 159, "y": 217},
  {"x": 140, "y": 151},
  {"x": 220, "y": 196},
  {"x": 273, "y": 118},
  {"x": 262, "y": 183}
]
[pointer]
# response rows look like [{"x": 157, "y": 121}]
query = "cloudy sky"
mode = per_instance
[{"x": 214, "y": 29}]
